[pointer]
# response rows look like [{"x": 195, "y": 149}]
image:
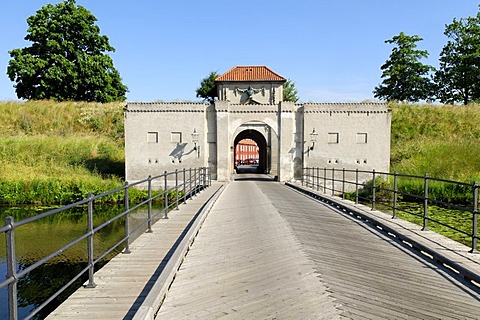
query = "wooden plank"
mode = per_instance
[
  {"x": 370, "y": 274},
  {"x": 123, "y": 283},
  {"x": 246, "y": 264}
]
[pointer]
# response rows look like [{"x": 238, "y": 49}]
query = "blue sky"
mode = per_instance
[{"x": 333, "y": 49}]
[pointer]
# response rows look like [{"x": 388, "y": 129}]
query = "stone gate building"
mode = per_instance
[{"x": 163, "y": 136}]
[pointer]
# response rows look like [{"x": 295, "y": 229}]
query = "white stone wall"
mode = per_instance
[
  {"x": 349, "y": 135},
  {"x": 158, "y": 138}
]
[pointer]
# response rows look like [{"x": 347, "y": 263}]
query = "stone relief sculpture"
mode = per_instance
[{"x": 250, "y": 91}]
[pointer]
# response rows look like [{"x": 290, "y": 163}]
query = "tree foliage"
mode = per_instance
[
  {"x": 290, "y": 92},
  {"x": 208, "y": 88},
  {"x": 459, "y": 71},
  {"x": 405, "y": 77},
  {"x": 67, "y": 59}
]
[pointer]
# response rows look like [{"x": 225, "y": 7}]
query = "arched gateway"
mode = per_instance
[{"x": 175, "y": 135}]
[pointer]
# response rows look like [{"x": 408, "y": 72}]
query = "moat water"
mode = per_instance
[{"x": 38, "y": 239}]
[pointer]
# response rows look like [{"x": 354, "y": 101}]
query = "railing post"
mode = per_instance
[
  {"x": 333, "y": 181},
  {"x": 149, "y": 221},
  {"x": 204, "y": 177},
  {"x": 91, "y": 258},
  {"x": 184, "y": 187},
  {"x": 306, "y": 177},
  {"x": 198, "y": 178},
  {"x": 318, "y": 178},
  {"x": 176, "y": 189},
  {"x": 474, "y": 218},
  {"x": 356, "y": 186},
  {"x": 303, "y": 175},
  {"x": 395, "y": 194},
  {"x": 194, "y": 182},
  {"x": 324, "y": 179},
  {"x": 205, "y": 170},
  {"x": 310, "y": 177},
  {"x": 165, "y": 195},
  {"x": 11, "y": 270},
  {"x": 127, "y": 222},
  {"x": 343, "y": 183},
  {"x": 425, "y": 203},
  {"x": 190, "y": 183},
  {"x": 373, "y": 190},
  {"x": 209, "y": 176}
]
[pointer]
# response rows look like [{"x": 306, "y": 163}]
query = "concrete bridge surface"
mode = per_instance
[{"x": 266, "y": 251}]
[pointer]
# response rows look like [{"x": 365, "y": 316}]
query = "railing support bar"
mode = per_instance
[
  {"x": 395, "y": 194},
  {"x": 165, "y": 194},
  {"x": 184, "y": 187},
  {"x": 324, "y": 180},
  {"x": 127, "y": 220},
  {"x": 475, "y": 218},
  {"x": 149, "y": 221},
  {"x": 425, "y": 203},
  {"x": 373, "y": 190},
  {"x": 190, "y": 182},
  {"x": 356, "y": 186},
  {"x": 91, "y": 258},
  {"x": 209, "y": 176},
  {"x": 176, "y": 189},
  {"x": 11, "y": 270},
  {"x": 333, "y": 181}
]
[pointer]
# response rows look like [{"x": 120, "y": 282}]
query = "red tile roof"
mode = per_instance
[{"x": 250, "y": 73}]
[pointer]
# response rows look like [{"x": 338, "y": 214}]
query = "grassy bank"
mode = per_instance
[
  {"x": 442, "y": 141},
  {"x": 53, "y": 153}
]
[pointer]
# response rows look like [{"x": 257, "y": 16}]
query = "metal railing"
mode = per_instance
[
  {"x": 182, "y": 184},
  {"x": 384, "y": 189}
]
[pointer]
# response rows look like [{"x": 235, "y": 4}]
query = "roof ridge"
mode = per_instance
[{"x": 250, "y": 73}]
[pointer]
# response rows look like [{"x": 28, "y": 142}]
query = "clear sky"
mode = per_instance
[{"x": 331, "y": 49}]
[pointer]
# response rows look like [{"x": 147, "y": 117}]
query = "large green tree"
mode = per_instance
[
  {"x": 67, "y": 59},
  {"x": 405, "y": 77},
  {"x": 458, "y": 76},
  {"x": 290, "y": 92},
  {"x": 208, "y": 88}
]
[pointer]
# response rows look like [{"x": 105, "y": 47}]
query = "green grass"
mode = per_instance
[
  {"x": 59, "y": 152},
  {"x": 55, "y": 153},
  {"x": 442, "y": 141}
]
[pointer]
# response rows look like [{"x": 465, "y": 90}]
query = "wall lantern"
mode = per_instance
[
  {"x": 195, "y": 140},
  {"x": 313, "y": 139}
]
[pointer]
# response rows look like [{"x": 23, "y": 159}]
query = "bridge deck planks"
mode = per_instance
[
  {"x": 265, "y": 252},
  {"x": 121, "y": 283},
  {"x": 246, "y": 264},
  {"x": 371, "y": 275}
]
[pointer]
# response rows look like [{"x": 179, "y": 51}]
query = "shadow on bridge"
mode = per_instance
[{"x": 251, "y": 173}]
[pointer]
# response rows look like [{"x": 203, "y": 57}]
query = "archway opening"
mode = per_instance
[
  {"x": 250, "y": 148},
  {"x": 246, "y": 153}
]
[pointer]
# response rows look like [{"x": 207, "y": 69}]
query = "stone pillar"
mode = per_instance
[
  {"x": 286, "y": 130},
  {"x": 211, "y": 145},
  {"x": 223, "y": 141}
]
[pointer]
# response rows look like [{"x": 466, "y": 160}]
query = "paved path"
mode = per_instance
[
  {"x": 268, "y": 252},
  {"x": 246, "y": 264}
]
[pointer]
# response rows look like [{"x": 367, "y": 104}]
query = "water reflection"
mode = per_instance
[{"x": 36, "y": 240}]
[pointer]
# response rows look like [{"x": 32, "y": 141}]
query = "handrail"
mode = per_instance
[
  {"x": 188, "y": 184},
  {"x": 327, "y": 180}
]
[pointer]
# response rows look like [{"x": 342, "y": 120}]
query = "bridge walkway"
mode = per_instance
[
  {"x": 124, "y": 282},
  {"x": 267, "y": 252}
]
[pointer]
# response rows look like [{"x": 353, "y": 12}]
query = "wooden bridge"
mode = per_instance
[{"x": 258, "y": 249}]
